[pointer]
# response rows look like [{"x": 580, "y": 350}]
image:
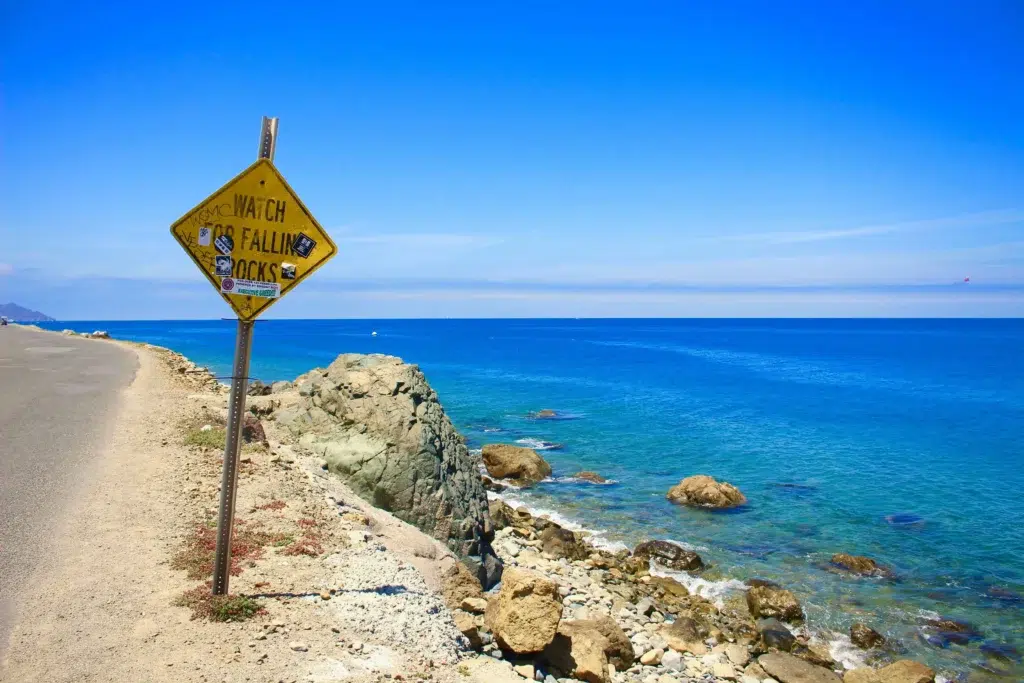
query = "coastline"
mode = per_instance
[{"x": 591, "y": 580}]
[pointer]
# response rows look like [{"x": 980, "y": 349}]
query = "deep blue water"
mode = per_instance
[{"x": 828, "y": 426}]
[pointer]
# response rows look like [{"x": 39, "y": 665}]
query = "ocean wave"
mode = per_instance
[
  {"x": 578, "y": 480},
  {"x": 842, "y": 649},
  {"x": 715, "y": 591},
  {"x": 539, "y": 445}
]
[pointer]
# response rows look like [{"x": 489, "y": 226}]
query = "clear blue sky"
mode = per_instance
[{"x": 529, "y": 158}]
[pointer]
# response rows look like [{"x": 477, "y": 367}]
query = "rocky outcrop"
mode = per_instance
[
  {"x": 378, "y": 425},
  {"x": 525, "y": 614},
  {"x": 766, "y": 599},
  {"x": 703, "y": 491},
  {"x": 669, "y": 555},
  {"x": 592, "y": 477},
  {"x": 903, "y": 671},
  {"x": 789, "y": 669},
  {"x": 865, "y": 637},
  {"x": 520, "y": 465},
  {"x": 858, "y": 564}
]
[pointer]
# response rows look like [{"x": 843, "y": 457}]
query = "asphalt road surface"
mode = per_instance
[{"x": 58, "y": 398}]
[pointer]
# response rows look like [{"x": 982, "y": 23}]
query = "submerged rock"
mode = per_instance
[
  {"x": 379, "y": 426},
  {"x": 944, "y": 632},
  {"x": 544, "y": 414},
  {"x": 858, "y": 564},
  {"x": 525, "y": 614},
  {"x": 669, "y": 555},
  {"x": 521, "y": 465},
  {"x": 905, "y": 520},
  {"x": 704, "y": 491},
  {"x": 865, "y": 637},
  {"x": 592, "y": 477},
  {"x": 765, "y": 599}
]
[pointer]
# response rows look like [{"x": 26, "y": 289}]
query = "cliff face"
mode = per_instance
[{"x": 378, "y": 424}]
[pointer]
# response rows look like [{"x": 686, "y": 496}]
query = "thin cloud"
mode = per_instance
[
  {"x": 971, "y": 220},
  {"x": 421, "y": 240},
  {"x": 6, "y": 269}
]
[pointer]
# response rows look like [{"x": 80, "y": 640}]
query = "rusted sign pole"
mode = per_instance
[{"x": 236, "y": 410}]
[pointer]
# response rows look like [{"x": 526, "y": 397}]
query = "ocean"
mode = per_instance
[{"x": 896, "y": 439}]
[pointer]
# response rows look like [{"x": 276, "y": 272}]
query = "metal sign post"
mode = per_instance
[
  {"x": 254, "y": 241},
  {"x": 236, "y": 409}
]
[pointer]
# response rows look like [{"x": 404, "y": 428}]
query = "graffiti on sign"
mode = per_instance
[{"x": 254, "y": 239}]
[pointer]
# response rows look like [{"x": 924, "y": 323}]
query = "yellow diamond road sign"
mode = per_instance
[{"x": 254, "y": 239}]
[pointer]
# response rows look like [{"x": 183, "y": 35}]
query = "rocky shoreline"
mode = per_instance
[
  {"x": 564, "y": 609},
  {"x": 531, "y": 597}
]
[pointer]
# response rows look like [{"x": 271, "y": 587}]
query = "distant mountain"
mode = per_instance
[{"x": 23, "y": 315}]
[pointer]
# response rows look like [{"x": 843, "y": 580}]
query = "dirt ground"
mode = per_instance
[{"x": 344, "y": 592}]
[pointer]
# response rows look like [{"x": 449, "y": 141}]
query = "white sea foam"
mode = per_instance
[
  {"x": 842, "y": 649},
  {"x": 596, "y": 537},
  {"x": 538, "y": 445},
  {"x": 577, "y": 480},
  {"x": 715, "y": 591},
  {"x": 689, "y": 546}
]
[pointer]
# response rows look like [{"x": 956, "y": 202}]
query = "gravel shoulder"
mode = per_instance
[{"x": 362, "y": 605}]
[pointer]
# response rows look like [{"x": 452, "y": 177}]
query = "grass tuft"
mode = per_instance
[
  {"x": 211, "y": 439},
  {"x": 205, "y": 605}
]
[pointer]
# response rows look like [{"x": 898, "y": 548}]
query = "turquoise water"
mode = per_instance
[{"x": 896, "y": 439}]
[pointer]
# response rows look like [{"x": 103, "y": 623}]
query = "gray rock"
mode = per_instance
[
  {"x": 381, "y": 428},
  {"x": 672, "y": 660}
]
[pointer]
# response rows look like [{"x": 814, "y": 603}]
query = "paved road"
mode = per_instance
[{"x": 58, "y": 397}]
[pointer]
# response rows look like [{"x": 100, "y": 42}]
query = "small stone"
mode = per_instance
[
  {"x": 524, "y": 670},
  {"x": 737, "y": 654},
  {"x": 474, "y": 605},
  {"x": 724, "y": 670},
  {"x": 672, "y": 660},
  {"x": 298, "y": 647},
  {"x": 325, "y": 595},
  {"x": 652, "y": 657}
]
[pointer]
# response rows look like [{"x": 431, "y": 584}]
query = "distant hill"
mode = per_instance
[{"x": 23, "y": 315}]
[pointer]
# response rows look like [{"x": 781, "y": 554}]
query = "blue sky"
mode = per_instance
[{"x": 528, "y": 158}]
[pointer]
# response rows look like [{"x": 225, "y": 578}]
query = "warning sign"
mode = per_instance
[{"x": 254, "y": 239}]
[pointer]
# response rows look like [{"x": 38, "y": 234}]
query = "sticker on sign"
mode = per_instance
[{"x": 266, "y": 290}]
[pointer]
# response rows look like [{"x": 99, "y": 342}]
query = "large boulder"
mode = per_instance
[
  {"x": 563, "y": 543},
  {"x": 768, "y": 600},
  {"x": 521, "y": 465},
  {"x": 669, "y": 555},
  {"x": 703, "y": 491},
  {"x": 379, "y": 426},
  {"x": 858, "y": 564},
  {"x": 585, "y": 648},
  {"x": 789, "y": 669},
  {"x": 524, "y": 616},
  {"x": 775, "y": 635}
]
